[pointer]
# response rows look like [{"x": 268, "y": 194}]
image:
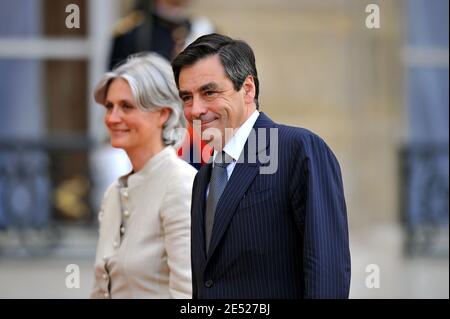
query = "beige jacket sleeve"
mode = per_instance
[
  {"x": 176, "y": 220},
  {"x": 100, "y": 287}
]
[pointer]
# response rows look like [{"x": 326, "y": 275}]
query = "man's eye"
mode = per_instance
[
  {"x": 185, "y": 98},
  {"x": 210, "y": 93},
  {"x": 108, "y": 106}
]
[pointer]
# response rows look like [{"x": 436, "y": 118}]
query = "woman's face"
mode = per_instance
[{"x": 130, "y": 127}]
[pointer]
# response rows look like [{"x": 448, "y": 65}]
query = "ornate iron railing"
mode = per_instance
[{"x": 32, "y": 197}]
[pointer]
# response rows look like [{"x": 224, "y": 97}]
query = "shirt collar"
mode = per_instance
[{"x": 236, "y": 144}]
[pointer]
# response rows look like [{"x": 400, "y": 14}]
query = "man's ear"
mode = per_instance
[{"x": 249, "y": 89}]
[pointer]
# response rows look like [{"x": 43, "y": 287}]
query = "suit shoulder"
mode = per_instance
[
  {"x": 299, "y": 135},
  {"x": 128, "y": 23},
  {"x": 303, "y": 142}
]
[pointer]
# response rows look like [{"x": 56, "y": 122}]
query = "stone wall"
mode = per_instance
[{"x": 321, "y": 68}]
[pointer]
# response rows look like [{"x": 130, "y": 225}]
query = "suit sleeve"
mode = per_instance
[{"x": 320, "y": 212}]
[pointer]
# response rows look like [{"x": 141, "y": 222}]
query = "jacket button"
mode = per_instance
[{"x": 209, "y": 283}]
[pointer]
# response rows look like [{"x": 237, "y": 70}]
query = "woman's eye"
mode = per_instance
[
  {"x": 128, "y": 106},
  {"x": 108, "y": 106}
]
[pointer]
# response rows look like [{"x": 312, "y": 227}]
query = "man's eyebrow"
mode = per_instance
[
  {"x": 209, "y": 86},
  {"x": 182, "y": 93},
  {"x": 205, "y": 87}
]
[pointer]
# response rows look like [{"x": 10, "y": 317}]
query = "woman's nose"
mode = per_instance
[{"x": 113, "y": 115}]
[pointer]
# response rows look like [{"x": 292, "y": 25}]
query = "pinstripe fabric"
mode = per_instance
[{"x": 282, "y": 235}]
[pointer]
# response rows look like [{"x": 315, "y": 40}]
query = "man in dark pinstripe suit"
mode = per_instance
[{"x": 275, "y": 226}]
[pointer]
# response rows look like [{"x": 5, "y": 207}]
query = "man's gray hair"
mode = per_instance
[{"x": 152, "y": 84}]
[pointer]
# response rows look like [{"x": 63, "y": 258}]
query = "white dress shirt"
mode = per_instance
[{"x": 235, "y": 145}]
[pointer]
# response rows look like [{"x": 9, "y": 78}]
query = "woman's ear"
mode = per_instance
[{"x": 164, "y": 115}]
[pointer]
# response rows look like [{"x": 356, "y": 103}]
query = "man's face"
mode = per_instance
[{"x": 208, "y": 95}]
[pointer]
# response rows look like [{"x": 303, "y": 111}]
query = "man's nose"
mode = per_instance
[{"x": 198, "y": 108}]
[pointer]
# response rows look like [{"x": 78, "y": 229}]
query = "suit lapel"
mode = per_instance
[{"x": 239, "y": 182}]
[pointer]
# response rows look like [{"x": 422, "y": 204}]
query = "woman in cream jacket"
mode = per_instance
[{"x": 144, "y": 236}]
